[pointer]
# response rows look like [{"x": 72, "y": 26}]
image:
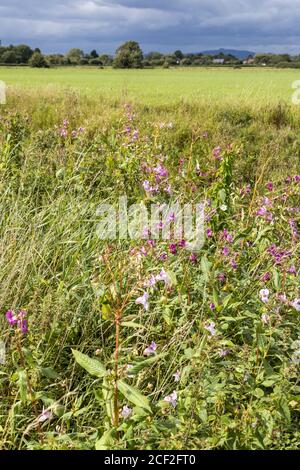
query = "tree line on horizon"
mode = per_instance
[{"x": 130, "y": 55}]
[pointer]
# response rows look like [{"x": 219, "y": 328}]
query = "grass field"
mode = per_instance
[
  {"x": 163, "y": 86},
  {"x": 142, "y": 343}
]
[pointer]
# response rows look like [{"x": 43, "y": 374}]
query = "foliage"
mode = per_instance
[{"x": 213, "y": 362}]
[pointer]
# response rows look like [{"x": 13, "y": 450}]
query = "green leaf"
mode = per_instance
[
  {"x": 106, "y": 441},
  {"x": 108, "y": 397},
  {"x": 142, "y": 364},
  {"x": 205, "y": 266},
  {"x": 134, "y": 395},
  {"x": 92, "y": 366},
  {"x": 22, "y": 383}
]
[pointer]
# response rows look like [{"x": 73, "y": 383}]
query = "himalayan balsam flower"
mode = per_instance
[
  {"x": 177, "y": 376},
  {"x": 44, "y": 416},
  {"x": 172, "y": 398},
  {"x": 173, "y": 248},
  {"x": 163, "y": 276},
  {"x": 224, "y": 352},
  {"x": 296, "y": 304},
  {"x": 266, "y": 277},
  {"x": 18, "y": 319},
  {"x": 193, "y": 258},
  {"x": 264, "y": 295},
  {"x": 143, "y": 301},
  {"x": 126, "y": 412},
  {"x": 211, "y": 328},
  {"x": 217, "y": 152},
  {"x": 265, "y": 319},
  {"x": 151, "y": 349}
]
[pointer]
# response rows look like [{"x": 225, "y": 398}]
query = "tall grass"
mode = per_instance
[{"x": 53, "y": 265}]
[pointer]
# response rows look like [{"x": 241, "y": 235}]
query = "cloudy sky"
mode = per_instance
[{"x": 165, "y": 25}]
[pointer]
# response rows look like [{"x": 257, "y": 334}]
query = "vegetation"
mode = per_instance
[
  {"x": 129, "y": 55},
  {"x": 125, "y": 344}
]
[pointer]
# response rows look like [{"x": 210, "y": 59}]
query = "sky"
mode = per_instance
[{"x": 158, "y": 25}]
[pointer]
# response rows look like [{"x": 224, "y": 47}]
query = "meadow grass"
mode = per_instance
[
  {"x": 237, "y": 387},
  {"x": 154, "y": 86}
]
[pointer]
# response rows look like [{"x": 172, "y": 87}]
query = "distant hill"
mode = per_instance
[{"x": 237, "y": 53}]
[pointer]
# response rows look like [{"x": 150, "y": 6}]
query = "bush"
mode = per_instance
[{"x": 38, "y": 61}]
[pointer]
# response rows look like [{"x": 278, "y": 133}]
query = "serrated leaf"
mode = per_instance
[
  {"x": 133, "y": 395},
  {"x": 92, "y": 366}
]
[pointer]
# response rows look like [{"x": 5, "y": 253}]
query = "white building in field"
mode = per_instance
[{"x": 218, "y": 61}]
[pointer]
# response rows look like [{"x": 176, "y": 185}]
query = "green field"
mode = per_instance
[{"x": 163, "y": 86}]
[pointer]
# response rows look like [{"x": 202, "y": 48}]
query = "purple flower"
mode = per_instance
[
  {"x": 177, "y": 376},
  {"x": 233, "y": 263},
  {"x": 296, "y": 304},
  {"x": 264, "y": 295},
  {"x": 212, "y": 306},
  {"x": 265, "y": 319},
  {"x": 173, "y": 248},
  {"x": 225, "y": 251},
  {"x": 44, "y": 416},
  {"x": 11, "y": 317},
  {"x": 269, "y": 186},
  {"x": 292, "y": 270},
  {"x": 151, "y": 281},
  {"x": 163, "y": 276},
  {"x": 217, "y": 152},
  {"x": 211, "y": 328},
  {"x": 182, "y": 244},
  {"x": 18, "y": 319},
  {"x": 143, "y": 301},
  {"x": 172, "y": 398},
  {"x": 151, "y": 349},
  {"x": 161, "y": 171},
  {"x": 221, "y": 277},
  {"x": 126, "y": 412},
  {"x": 224, "y": 352},
  {"x": 193, "y": 258},
  {"x": 209, "y": 233},
  {"x": 266, "y": 277}
]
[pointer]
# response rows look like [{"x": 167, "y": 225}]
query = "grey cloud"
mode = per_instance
[{"x": 192, "y": 25}]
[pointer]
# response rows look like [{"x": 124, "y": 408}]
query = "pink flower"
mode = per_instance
[
  {"x": 173, "y": 248},
  {"x": 212, "y": 306},
  {"x": 266, "y": 277},
  {"x": 269, "y": 186},
  {"x": 143, "y": 301},
  {"x": 217, "y": 152},
  {"x": 177, "y": 376},
  {"x": 209, "y": 233},
  {"x": 126, "y": 412},
  {"x": 264, "y": 295},
  {"x": 225, "y": 251},
  {"x": 151, "y": 350},
  {"x": 18, "y": 319},
  {"x": 163, "y": 276},
  {"x": 172, "y": 398},
  {"x": 193, "y": 258},
  {"x": 211, "y": 328}
]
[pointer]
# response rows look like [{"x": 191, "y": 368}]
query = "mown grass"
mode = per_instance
[
  {"x": 72, "y": 284},
  {"x": 155, "y": 86}
]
